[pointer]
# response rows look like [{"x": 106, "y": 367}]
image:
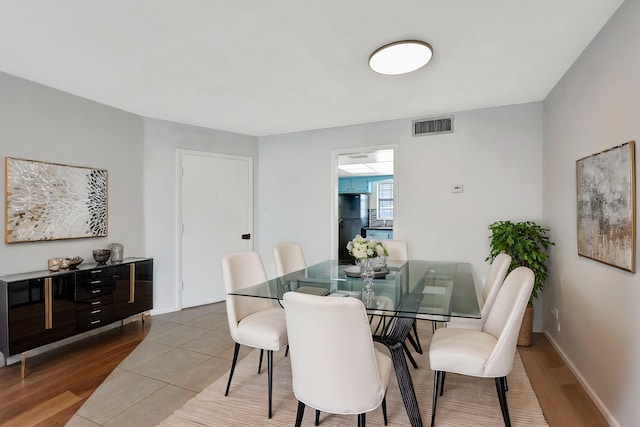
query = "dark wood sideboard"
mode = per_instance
[{"x": 41, "y": 307}]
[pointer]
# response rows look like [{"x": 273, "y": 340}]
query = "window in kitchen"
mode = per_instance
[{"x": 385, "y": 200}]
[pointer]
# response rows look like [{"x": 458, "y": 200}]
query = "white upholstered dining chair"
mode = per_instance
[
  {"x": 253, "y": 322},
  {"x": 488, "y": 352},
  {"x": 495, "y": 279},
  {"x": 324, "y": 334},
  {"x": 398, "y": 250},
  {"x": 289, "y": 257}
]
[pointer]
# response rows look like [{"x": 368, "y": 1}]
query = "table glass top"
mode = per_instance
[{"x": 410, "y": 288}]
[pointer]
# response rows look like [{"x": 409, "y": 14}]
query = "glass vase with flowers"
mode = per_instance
[{"x": 369, "y": 254}]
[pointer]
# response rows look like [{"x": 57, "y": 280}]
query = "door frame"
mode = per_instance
[
  {"x": 334, "y": 187},
  {"x": 180, "y": 152}
]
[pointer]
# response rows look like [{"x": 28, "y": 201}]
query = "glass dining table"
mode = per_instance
[{"x": 404, "y": 291}]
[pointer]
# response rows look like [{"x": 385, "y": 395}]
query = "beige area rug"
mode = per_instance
[{"x": 466, "y": 401}]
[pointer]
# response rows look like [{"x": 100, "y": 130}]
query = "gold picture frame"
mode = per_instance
[
  {"x": 606, "y": 214},
  {"x": 51, "y": 201}
]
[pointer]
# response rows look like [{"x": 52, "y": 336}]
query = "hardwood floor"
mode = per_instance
[
  {"x": 562, "y": 398},
  {"x": 59, "y": 381}
]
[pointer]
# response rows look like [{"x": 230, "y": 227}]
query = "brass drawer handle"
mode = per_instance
[
  {"x": 96, "y": 303},
  {"x": 93, "y": 282},
  {"x": 96, "y": 291},
  {"x": 95, "y": 322},
  {"x": 96, "y": 311}
]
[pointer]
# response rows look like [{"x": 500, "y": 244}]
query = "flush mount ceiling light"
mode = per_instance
[
  {"x": 400, "y": 57},
  {"x": 379, "y": 168}
]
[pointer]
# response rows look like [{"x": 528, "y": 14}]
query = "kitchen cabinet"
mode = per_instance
[
  {"x": 133, "y": 288},
  {"x": 41, "y": 307},
  {"x": 378, "y": 234},
  {"x": 358, "y": 185}
]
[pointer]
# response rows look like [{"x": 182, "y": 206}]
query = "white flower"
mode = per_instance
[{"x": 361, "y": 248}]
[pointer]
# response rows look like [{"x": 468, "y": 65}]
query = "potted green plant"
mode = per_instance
[{"x": 527, "y": 243}]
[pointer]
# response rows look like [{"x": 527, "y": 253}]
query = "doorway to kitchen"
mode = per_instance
[{"x": 366, "y": 197}]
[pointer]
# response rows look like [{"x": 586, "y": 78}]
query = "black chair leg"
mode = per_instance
[
  {"x": 409, "y": 355},
  {"x": 299, "y": 414},
  {"x": 442, "y": 375},
  {"x": 260, "y": 360},
  {"x": 362, "y": 420},
  {"x": 502, "y": 397},
  {"x": 236, "y": 350},
  {"x": 506, "y": 386},
  {"x": 436, "y": 378},
  {"x": 317, "y": 417},
  {"x": 270, "y": 376},
  {"x": 384, "y": 409},
  {"x": 286, "y": 352}
]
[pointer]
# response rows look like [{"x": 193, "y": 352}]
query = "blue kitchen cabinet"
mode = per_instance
[{"x": 358, "y": 185}]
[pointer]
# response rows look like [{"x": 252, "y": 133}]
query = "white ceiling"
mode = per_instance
[{"x": 263, "y": 67}]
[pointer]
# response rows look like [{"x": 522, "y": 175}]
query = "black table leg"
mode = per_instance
[{"x": 394, "y": 341}]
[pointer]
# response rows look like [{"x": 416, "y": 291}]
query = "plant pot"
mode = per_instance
[{"x": 525, "y": 336}]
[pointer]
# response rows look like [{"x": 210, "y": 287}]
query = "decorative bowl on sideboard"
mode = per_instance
[
  {"x": 101, "y": 256},
  {"x": 64, "y": 263},
  {"x": 74, "y": 262}
]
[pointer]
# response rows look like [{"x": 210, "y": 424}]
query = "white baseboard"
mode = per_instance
[
  {"x": 605, "y": 412},
  {"x": 156, "y": 312}
]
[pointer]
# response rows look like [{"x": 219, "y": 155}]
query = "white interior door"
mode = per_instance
[{"x": 216, "y": 212}]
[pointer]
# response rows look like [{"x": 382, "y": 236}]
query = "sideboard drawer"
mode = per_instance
[
  {"x": 93, "y": 303},
  {"x": 90, "y": 291},
  {"x": 93, "y": 318},
  {"x": 96, "y": 275}
]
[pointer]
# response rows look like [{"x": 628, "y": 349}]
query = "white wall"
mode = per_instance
[
  {"x": 161, "y": 141},
  {"x": 495, "y": 153},
  {"x": 594, "y": 107},
  {"x": 40, "y": 123}
]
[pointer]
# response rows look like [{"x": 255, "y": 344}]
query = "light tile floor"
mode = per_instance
[{"x": 182, "y": 353}]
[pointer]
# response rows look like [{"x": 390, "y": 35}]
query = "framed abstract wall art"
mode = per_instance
[
  {"x": 606, "y": 206},
  {"x": 49, "y": 201}
]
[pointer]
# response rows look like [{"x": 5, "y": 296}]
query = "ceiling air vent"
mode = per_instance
[{"x": 433, "y": 126}]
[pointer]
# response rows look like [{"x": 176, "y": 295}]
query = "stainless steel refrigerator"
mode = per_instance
[{"x": 353, "y": 213}]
